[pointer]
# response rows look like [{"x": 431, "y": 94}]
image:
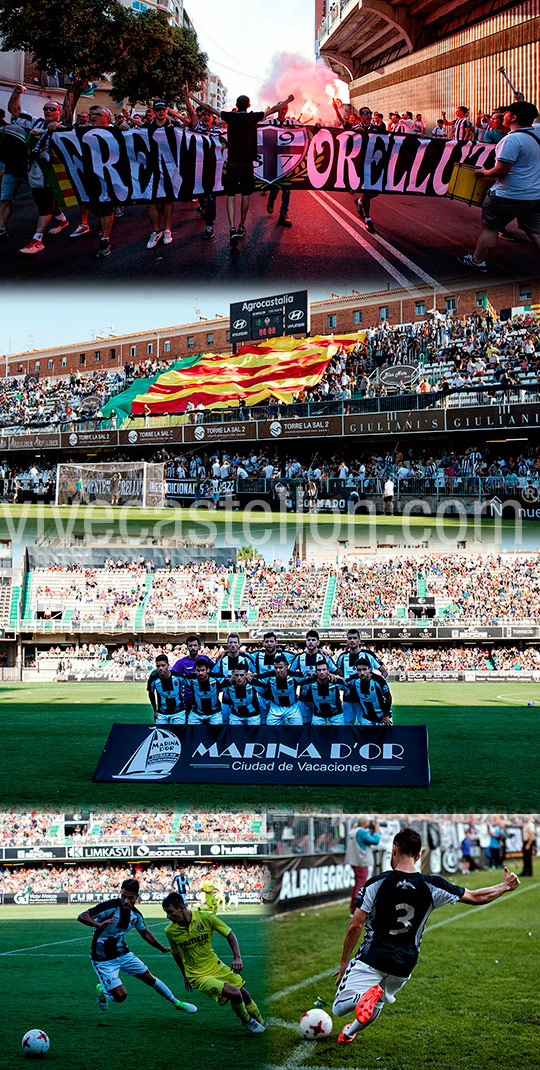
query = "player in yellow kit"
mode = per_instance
[
  {"x": 190, "y": 937},
  {"x": 211, "y": 897}
]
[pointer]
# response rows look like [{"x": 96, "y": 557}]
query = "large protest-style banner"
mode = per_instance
[{"x": 110, "y": 166}]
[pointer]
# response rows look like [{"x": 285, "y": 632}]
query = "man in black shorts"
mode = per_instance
[{"x": 241, "y": 152}]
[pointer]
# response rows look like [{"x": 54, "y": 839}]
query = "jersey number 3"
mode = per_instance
[{"x": 405, "y": 921}]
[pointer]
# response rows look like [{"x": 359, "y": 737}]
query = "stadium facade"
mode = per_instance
[
  {"x": 343, "y": 314},
  {"x": 425, "y": 56}
]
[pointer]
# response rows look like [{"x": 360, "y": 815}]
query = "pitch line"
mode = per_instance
[
  {"x": 381, "y": 260},
  {"x": 37, "y": 947},
  {"x": 435, "y": 925},
  {"x": 395, "y": 252}
]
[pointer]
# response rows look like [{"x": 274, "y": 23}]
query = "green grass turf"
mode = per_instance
[
  {"x": 52, "y": 987},
  {"x": 482, "y": 751},
  {"x": 471, "y": 1003}
]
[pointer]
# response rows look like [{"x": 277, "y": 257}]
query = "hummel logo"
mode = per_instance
[{"x": 405, "y": 884}]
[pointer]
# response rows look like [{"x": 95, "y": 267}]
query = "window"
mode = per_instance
[
  {"x": 525, "y": 292},
  {"x": 420, "y": 308},
  {"x": 133, "y": 351},
  {"x": 149, "y": 348},
  {"x": 50, "y": 363},
  {"x": 190, "y": 341},
  {"x": 36, "y": 366},
  {"x": 228, "y": 336},
  {"x": 138, "y": 6},
  {"x": 97, "y": 358},
  {"x": 357, "y": 317},
  {"x": 332, "y": 321},
  {"x": 82, "y": 358},
  {"x": 166, "y": 347},
  {"x": 20, "y": 367},
  {"x": 64, "y": 362},
  {"x": 112, "y": 354},
  {"x": 481, "y": 299},
  {"x": 209, "y": 339},
  {"x": 450, "y": 304},
  {"x": 383, "y": 312}
]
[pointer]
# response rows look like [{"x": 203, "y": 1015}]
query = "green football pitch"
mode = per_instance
[
  {"x": 481, "y": 741},
  {"x": 471, "y": 1003},
  {"x": 48, "y": 983}
]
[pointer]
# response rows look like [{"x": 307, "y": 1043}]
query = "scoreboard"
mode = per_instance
[
  {"x": 269, "y": 317},
  {"x": 268, "y": 325}
]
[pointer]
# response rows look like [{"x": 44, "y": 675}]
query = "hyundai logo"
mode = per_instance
[
  {"x": 239, "y": 325},
  {"x": 296, "y": 314}
]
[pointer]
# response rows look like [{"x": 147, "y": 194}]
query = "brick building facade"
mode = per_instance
[{"x": 343, "y": 314}]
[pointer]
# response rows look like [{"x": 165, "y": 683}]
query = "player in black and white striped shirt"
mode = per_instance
[
  {"x": 110, "y": 955},
  {"x": 393, "y": 909}
]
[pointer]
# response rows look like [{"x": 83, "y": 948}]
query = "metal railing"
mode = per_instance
[{"x": 470, "y": 396}]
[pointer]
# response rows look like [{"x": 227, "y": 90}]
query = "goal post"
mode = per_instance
[{"x": 138, "y": 483}]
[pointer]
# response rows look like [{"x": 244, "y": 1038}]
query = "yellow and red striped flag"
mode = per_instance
[{"x": 280, "y": 368}]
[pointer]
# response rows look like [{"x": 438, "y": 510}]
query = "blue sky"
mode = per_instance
[{"x": 78, "y": 314}]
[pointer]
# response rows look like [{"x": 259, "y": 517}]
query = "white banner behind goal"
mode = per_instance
[{"x": 117, "y": 483}]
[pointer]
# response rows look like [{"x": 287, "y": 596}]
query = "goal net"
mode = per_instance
[{"x": 117, "y": 483}]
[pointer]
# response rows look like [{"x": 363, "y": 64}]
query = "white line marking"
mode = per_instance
[
  {"x": 282, "y": 1024},
  {"x": 300, "y": 984},
  {"x": 381, "y": 260},
  {"x": 36, "y": 947},
  {"x": 397, "y": 253},
  {"x": 516, "y": 699}
]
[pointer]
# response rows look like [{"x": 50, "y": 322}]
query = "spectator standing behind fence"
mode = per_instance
[{"x": 363, "y": 836}]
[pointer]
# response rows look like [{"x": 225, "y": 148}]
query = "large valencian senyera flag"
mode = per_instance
[{"x": 280, "y": 369}]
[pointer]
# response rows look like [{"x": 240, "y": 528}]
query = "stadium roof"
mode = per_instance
[{"x": 359, "y": 36}]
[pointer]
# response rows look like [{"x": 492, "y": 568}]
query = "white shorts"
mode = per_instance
[
  {"x": 255, "y": 720},
  {"x": 357, "y": 979},
  {"x": 206, "y": 718},
  {"x": 284, "y": 714},
  {"x": 109, "y": 971},
  {"x": 171, "y": 718}
]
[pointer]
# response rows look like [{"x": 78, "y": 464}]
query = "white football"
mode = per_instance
[
  {"x": 35, "y": 1042},
  {"x": 530, "y": 702},
  {"x": 315, "y": 1024}
]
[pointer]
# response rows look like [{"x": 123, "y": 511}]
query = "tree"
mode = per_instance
[
  {"x": 85, "y": 39},
  {"x": 79, "y": 38},
  {"x": 157, "y": 60},
  {"x": 248, "y": 553}
]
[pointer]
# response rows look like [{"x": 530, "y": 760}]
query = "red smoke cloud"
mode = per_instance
[{"x": 313, "y": 85}]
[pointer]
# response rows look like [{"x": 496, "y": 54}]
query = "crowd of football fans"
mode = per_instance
[
  {"x": 18, "y": 829},
  {"x": 154, "y": 878},
  {"x": 460, "y": 587},
  {"x": 419, "y": 471},
  {"x": 451, "y": 354},
  {"x": 482, "y": 587}
]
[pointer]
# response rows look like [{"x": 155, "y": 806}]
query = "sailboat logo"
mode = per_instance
[{"x": 154, "y": 759}]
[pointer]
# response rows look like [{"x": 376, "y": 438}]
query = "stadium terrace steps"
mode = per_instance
[
  {"x": 326, "y": 615},
  {"x": 237, "y": 591},
  {"x": 14, "y": 608},
  {"x": 26, "y": 594},
  {"x": 5, "y": 602},
  {"x": 139, "y": 615},
  {"x": 421, "y": 589}
]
